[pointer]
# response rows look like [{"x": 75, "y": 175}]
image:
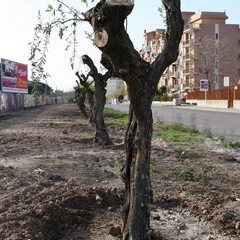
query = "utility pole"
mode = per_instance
[{"x": 216, "y": 70}]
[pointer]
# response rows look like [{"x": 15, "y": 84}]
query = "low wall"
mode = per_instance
[
  {"x": 236, "y": 104},
  {"x": 13, "y": 101},
  {"x": 209, "y": 103}
]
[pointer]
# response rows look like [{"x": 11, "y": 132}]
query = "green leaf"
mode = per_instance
[
  {"x": 61, "y": 30},
  {"x": 50, "y": 8}
]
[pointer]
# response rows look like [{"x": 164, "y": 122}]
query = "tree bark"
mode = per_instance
[{"x": 142, "y": 79}]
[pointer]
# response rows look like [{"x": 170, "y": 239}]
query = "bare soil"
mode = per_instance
[{"x": 54, "y": 184}]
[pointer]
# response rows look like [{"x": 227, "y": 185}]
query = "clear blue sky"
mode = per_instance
[{"x": 19, "y": 17}]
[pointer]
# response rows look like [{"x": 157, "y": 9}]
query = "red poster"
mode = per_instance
[{"x": 22, "y": 76}]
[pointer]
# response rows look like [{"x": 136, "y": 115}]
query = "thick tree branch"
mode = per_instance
[{"x": 173, "y": 37}]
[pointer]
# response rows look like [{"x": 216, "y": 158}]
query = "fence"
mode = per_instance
[
  {"x": 231, "y": 94},
  {"x": 14, "y": 102}
]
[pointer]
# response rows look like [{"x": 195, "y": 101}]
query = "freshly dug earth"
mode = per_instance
[{"x": 54, "y": 184}]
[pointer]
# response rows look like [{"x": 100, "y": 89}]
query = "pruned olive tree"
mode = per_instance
[
  {"x": 80, "y": 97},
  {"x": 87, "y": 86},
  {"x": 100, "y": 80},
  {"x": 107, "y": 20}
]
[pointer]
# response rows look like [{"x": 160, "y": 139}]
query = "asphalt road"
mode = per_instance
[{"x": 224, "y": 122}]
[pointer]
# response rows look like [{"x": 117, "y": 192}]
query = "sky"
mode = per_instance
[{"x": 19, "y": 17}]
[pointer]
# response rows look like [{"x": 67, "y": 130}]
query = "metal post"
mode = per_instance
[{"x": 217, "y": 56}]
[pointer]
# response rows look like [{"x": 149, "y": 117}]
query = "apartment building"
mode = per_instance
[{"x": 200, "y": 29}]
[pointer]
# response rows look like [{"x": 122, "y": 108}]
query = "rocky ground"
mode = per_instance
[{"x": 54, "y": 184}]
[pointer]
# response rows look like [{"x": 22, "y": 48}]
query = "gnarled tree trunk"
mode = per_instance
[
  {"x": 89, "y": 92},
  {"x": 80, "y": 95},
  {"x": 101, "y": 134},
  {"x": 142, "y": 79}
]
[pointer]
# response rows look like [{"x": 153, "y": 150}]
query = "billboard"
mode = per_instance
[{"x": 14, "y": 76}]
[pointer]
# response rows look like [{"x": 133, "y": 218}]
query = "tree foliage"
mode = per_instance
[
  {"x": 39, "y": 88},
  {"x": 65, "y": 20}
]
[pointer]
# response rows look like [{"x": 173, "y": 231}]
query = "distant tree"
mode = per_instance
[
  {"x": 87, "y": 86},
  {"x": 162, "y": 90},
  {"x": 214, "y": 60},
  {"x": 100, "y": 81},
  {"x": 161, "y": 93},
  {"x": 80, "y": 96},
  {"x": 39, "y": 88},
  {"x": 122, "y": 91}
]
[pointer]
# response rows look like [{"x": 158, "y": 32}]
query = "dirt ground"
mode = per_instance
[{"x": 54, "y": 184}]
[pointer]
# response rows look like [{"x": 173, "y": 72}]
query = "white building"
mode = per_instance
[{"x": 113, "y": 85}]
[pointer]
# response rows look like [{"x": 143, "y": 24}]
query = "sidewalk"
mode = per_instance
[{"x": 209, "y": 108}]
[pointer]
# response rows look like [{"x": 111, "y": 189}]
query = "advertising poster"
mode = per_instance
[
  {"x": 14, "y": 77},
  {"x": 204, "y": 85}
]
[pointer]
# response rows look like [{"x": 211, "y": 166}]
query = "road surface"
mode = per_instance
[{"x": 224, "y": 122}]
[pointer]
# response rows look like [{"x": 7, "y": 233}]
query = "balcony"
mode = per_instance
[
  {"x": 174, "y": 74},
  {"x": 186, "y": 57},
  {"x": 186, "y": 42},
  {"x": 146, "y": 49},
  {"x": 192, "y": 27}
]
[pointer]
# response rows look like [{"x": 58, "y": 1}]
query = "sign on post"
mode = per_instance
[
  {"x": 226, "y": 81},
  {"x": 14, "y": 77},
  {"x": 203, "y": 85}
]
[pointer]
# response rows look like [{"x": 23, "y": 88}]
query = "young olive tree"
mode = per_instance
[{"x": 107, "y": 20}]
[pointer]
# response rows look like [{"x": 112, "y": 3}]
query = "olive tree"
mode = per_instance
[
  {"x": 107, "y": 20},
  {"x": 83, "y": 82},
  {"x": 80, "y": 96},
  {"x": 99, "y": 99}
]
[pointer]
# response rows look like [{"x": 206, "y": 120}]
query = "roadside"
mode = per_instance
[
  {"x": 208, "y": 107},
  {"x": 54, "y": 184}
]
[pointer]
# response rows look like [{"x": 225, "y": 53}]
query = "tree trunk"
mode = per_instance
[
  {"x": 138, "y": 191},
  {"x": 90, "y": 99},
  {"x": 81, "y": 103},
  {"x": 101, "y": 134},
  {"x": 142, "y": 79},
  {"x": 80, "y": 95},
  {"x": 83, "y": 81}
]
